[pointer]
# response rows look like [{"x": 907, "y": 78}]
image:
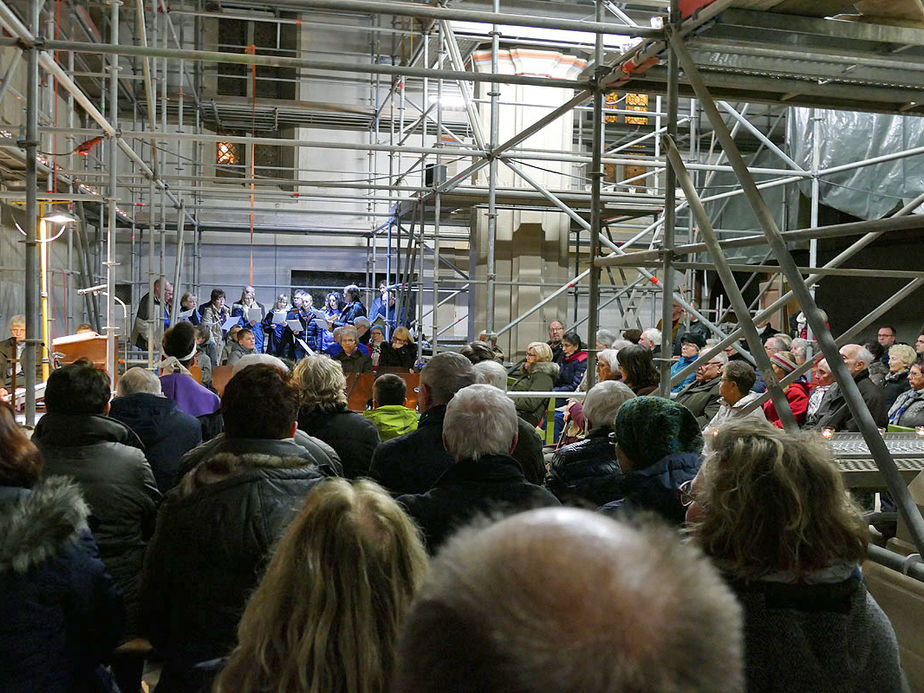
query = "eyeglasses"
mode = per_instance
[
  {"x": 686, "y": 493},
  {"x": 398, "y": 340}
]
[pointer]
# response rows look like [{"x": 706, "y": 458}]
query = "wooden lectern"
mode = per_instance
[{"x": 84, "y": 345}]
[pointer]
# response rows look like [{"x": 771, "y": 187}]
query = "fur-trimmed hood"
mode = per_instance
[
  {"x": 550, "y": 368},
  {"x": 36, "y": 524},
  {"x": 226, "y": 465}
]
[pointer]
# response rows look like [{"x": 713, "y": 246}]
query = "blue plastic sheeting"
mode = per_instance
[{"x": 869, "y": 192}]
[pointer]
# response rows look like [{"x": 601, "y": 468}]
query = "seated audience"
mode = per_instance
[
  {"x": 528, "y": 451},
  {"x": 799, "y": 350},
  {"x": 204, "y": 351},
  {"x": 105, "y": 458},
  {"x": 833, "y": 411},
  {"x": 556, "y": 332},
  {"x": 771, "y": 510},
  {"x": 539, "y": 375},
  {"x": 703, "y": 397},
  {"x": 908, "y": 409},
  {"x": 179, "y": 348},
  {"x": 573, "y": 363},
  {"x": 401, "y": 353},
  {"x": 352, "y": 359},
  {"x": 244, "y": 345},
  {"x": 229, "y": 344},
  {"x": 822, "y": 380},
  {"x": 362, "y": 325},
  {"x": 478, "y": 351},
  {"x": 561, "y": 600},
  {"x": 879, "y": 366},
  {"x": 480, "y": 432},
  {"x": 12, "y": 353},
  {"x": 772, "y": 345},
  {"x": 390, "y": 416},
  {"x": 901, "y": 357},
  {"x": 604, "y": 340},
  {"x": 651, "y": 339},
  {"x": 587, "y": 471},
  {"x": 638, "y": 370},
  {"x": 61, "y": 614},
  {"x": 658, "y": 447},
  {"x": 738, "y": 378},
  {"x": 376, "y": 340},
  {"x": 348, "y": 615},
  {"x": 607, "y": 368},
  {"x": 797, "y": 392},
  {"x": 919, "y": 346},
  {"x": 254, "y": 359},
  {"x": 167, "y": 432},
  {"x": 632, "y": 335},
  {"x": 411, "y": 463},
  {"x": 323, "y": 413},
  {"x": 216, "y": 529},
  {"x": 690, "y": 344}
]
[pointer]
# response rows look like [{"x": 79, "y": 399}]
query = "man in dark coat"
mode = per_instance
[
  {"x": 413, "y": 462},
  {"x": 161, "y": 321},
  {"x": 105, "y": 458},
  {"x": 480, "y": 432},
  {"x": 216, "y": 530},
  {"x": 833, "y": 411},
  {"x": 167, "y": 432},
  {"x": 11, "y": 354},
  {"x": 702, "y": 396}
]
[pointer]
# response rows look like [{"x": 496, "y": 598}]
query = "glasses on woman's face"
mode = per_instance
[
  {"x": 531, "y": 355},
  {"x": 687, "y": 495},
  {"x": 398, "y": 340}
]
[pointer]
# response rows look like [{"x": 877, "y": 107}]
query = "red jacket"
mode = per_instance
[{"x": 798, "y": 395}]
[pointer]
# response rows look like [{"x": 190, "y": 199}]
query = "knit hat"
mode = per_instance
[
  {"x": 780, "y": 360},
  {"x": 651, "y": 428},
  {"x": 693, "y": 338}
]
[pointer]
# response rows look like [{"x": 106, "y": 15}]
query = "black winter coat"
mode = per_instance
[
  {"x": 586, "y": 472},
  {"x": 894, "y": 385},
  {"x": 657, "y": 488},
  {"x": 495, "y": 483},
  {"x": 528, "y": 452},
  {"x": 104, "y": 456},
  {"x": 403, "y": 357},
  {"x": 60, "y": 613},
  {"x": 215, "y": 533},
  {"x": 167, "y": 432},
  {"x": 357, "y": 362},
  {"x": 352, "y": 435},
  {"x": 833, "y": 411},
  {"x": 413, "y": 462},
  {"x": 350, "y": 312}
]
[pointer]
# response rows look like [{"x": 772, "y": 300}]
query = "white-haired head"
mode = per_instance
[
  {"x": 480, "y": 420},
  {"x": 603, "y": 400},
  {"x": 136, "y": 380},
  {"x": 608, "y": 356},
  {"x": 650, "y": 338},
  {"x": 253, "y": 359},
  {"x": 491, "y": 373},
  {"x": 605, "y": 338}
]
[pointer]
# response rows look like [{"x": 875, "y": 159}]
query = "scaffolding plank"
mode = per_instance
[{"x": 810, "y": 8}]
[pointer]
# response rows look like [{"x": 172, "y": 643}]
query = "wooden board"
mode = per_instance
[{"x": 359, "y": 389}]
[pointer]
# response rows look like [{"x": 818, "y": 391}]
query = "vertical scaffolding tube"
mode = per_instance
[
  {"x": 492, "y": 180},
  {"x": 33, "y": 327},
  {"x": 596, "y": 176},
  {"x": 111, "y": 350}
]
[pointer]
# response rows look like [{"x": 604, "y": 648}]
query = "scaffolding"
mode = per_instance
[{"x": 153, "y": 180}]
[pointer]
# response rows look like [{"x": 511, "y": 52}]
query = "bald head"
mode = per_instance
[
  {"x": 611, "y": 608},
  {"x": 856, "y": 358}
]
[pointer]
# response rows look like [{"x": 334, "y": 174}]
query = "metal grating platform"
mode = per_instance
[{"x": 859, "y": 468}]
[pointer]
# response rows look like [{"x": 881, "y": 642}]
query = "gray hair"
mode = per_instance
[
  {"x": 19, "y": 319},
  {"x": 785, "y": 339},
  {"x": 652, "y": 334},
  {"x": 492, "y": 373},
  {"x": 349, "y": 330},
  {"x": 606, "y": 337},
  {"x": 362, "y": 321},
  {"x": 254, "y": 359},
  {"x": 480, "y": 420},
  {"x": 609, "y": 357},
  {"x": 445, "y": 374},
  {"x": 136, "y": 380},
  {"x": 721, "y": 357},
  {"x": 475, "y": 624},
  {"x": 620, "y": 344},
  {"x": 798, "y": 346},
  {"x": 860, "y": 353},
  {"x": 603, "y": 400}
]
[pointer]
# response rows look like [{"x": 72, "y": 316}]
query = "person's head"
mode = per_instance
[
  {"x": 712, "y": 369},
  {"x": 901, "y": 356},
  {"x": 336, "y": 334},
  {"x": 248, "y": 295},
  {"x": 157, "y": 291},
  {"x": 233, "y": 333},
  {"x": 327, "y": 613},
  {"x": 784, "y": 339},
  {"x": 282, "y": 302},
  {"x": 376, "y": 334},
  {"x": 179, "y": 341},
  {"x": 603, "y": 401},
  {"x": 351, "y": 293},
  {"x": 608, "y": 365},
  {"x": 916, "y": 375},
  {"x": 298, "y": 298},
  {"x": 676, "y": 312},
  {"x": 650, "y": 338},
  {"x": 738, "y": 377},
  {"x": 492, "y": 373},
  {"x": 537, "y": 352},
  {"x": 875, "y": 349},
  {"x": 501, "y": 612},
  {"x": 333, "y": 301},
  {"x": 136, "y": 380},
  {"x": 886, "y": 336},
  {"x": 480, "y": 420},
  {"x": 477, "y": 352},
  {"x": 571, "y": 343},
  {"x": 189, "y": 301},
  {"x": 84, "y": 327},
  {"x": 401, "y": 337},
  {"x": 648, "y": 429},
  {"x": 260, "y": 402},
  {"x": 217, "y": 298},
  {"x": 203, "y": 333},
  {"x": 782, "y": 363},
  {"x": 556, "y": 331},
  {"x": 253, "y": 359},
  {"x": 605, "y": 340},
  {"x": 79, "y": 388},
  {"x": 919, "y": 345},
  {"x": 322, "y": 383},
  {"x": 771, "y": 501},
  {"x": 632, "y": 335},
  {"x": 389, "y": 389},
  {"x": 362, "y": 325},
  {"x": 18, "y": 327},
  {"x": 798, "y": 349},
  {"x": 246, "y": 338},
  {"x": 690, "y": 344},
  {"x": 637, "y": 366},
  {"x": 773, "y": 345},
  {"x": 20, "y": 461},
  {"x": 856, "y": 358},
  {"x": 349, "y": 339},
  {"x": 443, "y": 376},
  {"x": 823, "y": 374}
]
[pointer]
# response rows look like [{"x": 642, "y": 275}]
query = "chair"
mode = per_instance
[{"x": 220, "y": 377}]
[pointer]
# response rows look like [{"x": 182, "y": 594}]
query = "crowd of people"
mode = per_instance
[{"x": 271, "y": 539}]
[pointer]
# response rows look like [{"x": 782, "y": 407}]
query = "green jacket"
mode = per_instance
[{"x": 393, "y": 420}]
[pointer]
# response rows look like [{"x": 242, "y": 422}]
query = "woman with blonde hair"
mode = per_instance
[
  {"x": 401, "y": 353},
  {"x": 324, "y": 414},
  {"x": 327, "y": 612},
  {"x": 901, "y": 358},
  {"x": 539, "y": 375},
  {"x": 770, "y": 509}
]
